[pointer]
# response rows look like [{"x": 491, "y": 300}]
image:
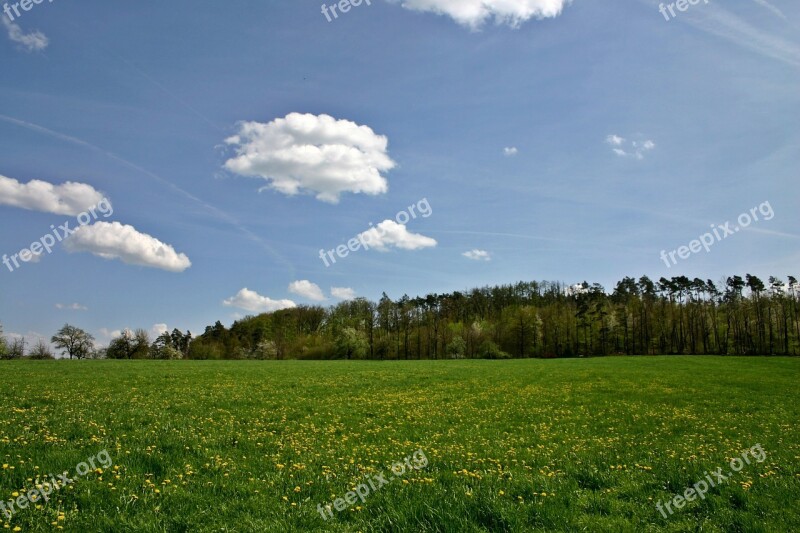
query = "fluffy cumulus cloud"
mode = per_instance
[
  {"x": 112, "y": 240},
  {"x": 390, "y": 234},
  {"x": 474, "y": 13},
  {"x": 510, "y": 151},
  {"x": 69, "y": 198},
  {"x": 478, "y": 255},
  {"x": 255, "y": 303},
  {"x": 304, "y": 153},
  {"x": 306, "y": 289},
  {"x": 343, "y": 293},
  {"x": 625, "y": 148},
  {"x": 158, "y": 329},
  {"x": 31, "y": 42}
]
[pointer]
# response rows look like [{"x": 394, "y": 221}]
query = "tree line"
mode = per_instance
[
  {"x": 75, "y": 343},
  {"x": 737, "y": 316}
]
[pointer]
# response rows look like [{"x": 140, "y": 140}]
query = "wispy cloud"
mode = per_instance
[
  {"x": 510, "y": 151},
  {"x": 775, "y": 10},
  {"x": 31, "y": 42},
  {"x": 624, "y": 148},
  {"x": 478, "y": 255},
  {"x": 210, "y": 209},
  {"x": 721, "y": 23},
  {"x": 72, "y": 307}
]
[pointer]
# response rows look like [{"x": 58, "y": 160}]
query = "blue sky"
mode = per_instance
[{"x": 552, "y": 140}]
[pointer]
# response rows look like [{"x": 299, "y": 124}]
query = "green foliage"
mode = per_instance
[
  {"x": 131, "y": 345},
  {"x": 457, "y": 348},
  {"x": 74, "y": 342},
  {"x": 164, "y": 349},
  {"x": 490, "y": 350},
  {"x": 3, "y": 344},
  {"x": 351, "y": 344},
  {"x": 530, "y": 319}
]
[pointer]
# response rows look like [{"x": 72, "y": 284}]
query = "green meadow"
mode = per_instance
[{"x": 519, "y": 445}]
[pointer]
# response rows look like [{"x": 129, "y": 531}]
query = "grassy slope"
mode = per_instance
[{"x": 255, "y": 446}]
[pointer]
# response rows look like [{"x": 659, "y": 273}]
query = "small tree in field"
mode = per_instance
[
  {"x": 41, "y": 351},
  {"x": 73, "y": 341},
  {"x": 3, "y": 344},
  {"x": 16, "y": 350}
]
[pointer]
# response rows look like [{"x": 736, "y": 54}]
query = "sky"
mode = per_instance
[{"x": 214, "y": 160}]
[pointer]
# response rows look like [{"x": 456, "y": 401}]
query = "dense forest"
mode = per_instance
[{"x": 738, "y": 316}]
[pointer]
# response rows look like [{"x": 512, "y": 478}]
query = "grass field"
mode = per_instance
[{"x": 530, "y": 445}]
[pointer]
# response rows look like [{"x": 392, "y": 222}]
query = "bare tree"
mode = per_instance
[
  {"x": 41, "y": 351},
  {"x": 16, "y": 350}
]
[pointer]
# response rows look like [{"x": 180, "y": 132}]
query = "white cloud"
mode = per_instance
[
  {"x": 725, "y": 25},
  {"x": 775, "y": 10},
  {"x": 510, "y": 151},
  {"x": 112, "y": 240},
  {"x": 108, "y": 334},
  {"x": 306, "y": 289},
  {"x": 391, "y": 234},
  {"x": 158, "y": 329},
  {"x": 647, "y": 145},
  {"x": 72, "y": 307},
  {"x": 309, "y": 153},
  {"x": 623, "y": 148},
  {"x": 343, "y": 293},
  {"x": 473, "y": 13},
  {"x": 34, "y": 258},
  {"x": 69, "y": 198},
  {"x": 31, "y": 42},
  {"x": 478, "y": 255},
  {"x": 254, "y": 302}
]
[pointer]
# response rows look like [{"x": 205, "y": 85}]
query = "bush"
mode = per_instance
[{"x": 490, "y": 350}]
